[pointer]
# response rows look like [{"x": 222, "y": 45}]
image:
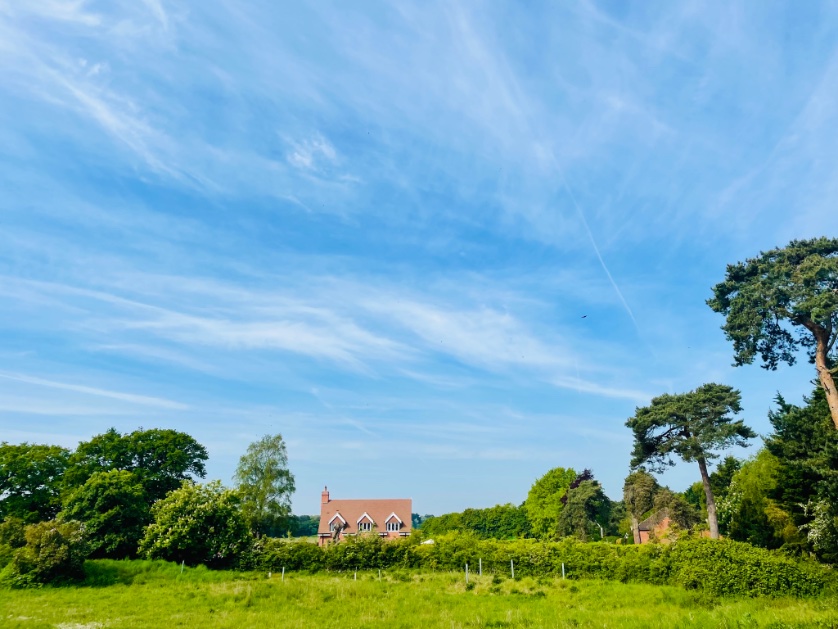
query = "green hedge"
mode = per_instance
[{"x": 718, "y": 567}]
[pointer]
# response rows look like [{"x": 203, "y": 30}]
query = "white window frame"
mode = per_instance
[{"x": 388, "y": 523}]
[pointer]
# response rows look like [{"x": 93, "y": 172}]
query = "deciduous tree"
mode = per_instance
[
  {"x": 691, "y": 426},
  {"x": 544, "y": 501},
  {"x": 783, "y": 300},
  {"x": 30, "y": 480},
  {"x": 114, "y": 510},
  {"x": 586, "y": 512},
  {"x": 197, "y": 524},
  {"x": 161, "y": 459},
  {"x": 265, "y": 484}
]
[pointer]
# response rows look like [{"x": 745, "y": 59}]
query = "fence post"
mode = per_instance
[
  {"x": 480, "y": 567},
  {"x": 512, "y": 566},
  {"x": 562, "y": 570},
  {"x": 379, "y": 574},
  {"x": 181, "y": 566},
  {"x": 356, "y": 574},
  {"x": 283, "y": 573},
  {"x": 466, "y": 573}
]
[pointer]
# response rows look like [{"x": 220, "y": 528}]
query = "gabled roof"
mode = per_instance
[
  {"x": 653, "y": 520},
  {"x": 353, "y": 511},
  {"x": 337, "y": 515}
]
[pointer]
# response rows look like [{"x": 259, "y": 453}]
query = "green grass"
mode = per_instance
[{"x": 156, "y": 594}]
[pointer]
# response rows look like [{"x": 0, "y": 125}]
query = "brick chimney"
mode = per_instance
[{"x": 324, "y": 497}]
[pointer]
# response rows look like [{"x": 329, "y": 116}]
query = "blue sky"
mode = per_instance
[{"x": 441, "y": 247}]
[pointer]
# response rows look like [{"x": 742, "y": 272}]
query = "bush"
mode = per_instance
[
  {"x": 197, "y": 524},
  {"x": 12, "y": 537},
  {"x": 715, "y": 567},
  {"x": 275, "y": 554},
  {"x": 735, "y": 568},
  {"x": 54, "y": 553}
]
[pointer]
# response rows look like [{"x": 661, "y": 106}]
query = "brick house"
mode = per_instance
[
  {"x": 655, "y": 527},
  {"x": 389, "y": 518}
]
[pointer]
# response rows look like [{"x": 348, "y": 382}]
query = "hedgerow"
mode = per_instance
[{"x": 718, "y": 567}]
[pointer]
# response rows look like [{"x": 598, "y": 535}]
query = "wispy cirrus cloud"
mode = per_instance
[
  {"x": 131, "y": 398},
  {"x": 439, "y": 217}
]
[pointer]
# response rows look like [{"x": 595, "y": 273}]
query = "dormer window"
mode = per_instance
[
  {"x": 393, "y": 523},
  {"x": 337, "y": 522},
  {"x": 365, "y": 523}
]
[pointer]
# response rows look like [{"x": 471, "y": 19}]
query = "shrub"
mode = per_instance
[
  {"x": 197, "y": 524},
  {"x": 716, "y": 568},
  {"x": 11, "y": 538},
  {"x": 735, "y": 568},
  {"x": 276, "y": 554},
  {"x": 54, "y": 553}
]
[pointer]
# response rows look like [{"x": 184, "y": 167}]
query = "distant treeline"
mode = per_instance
[{"x": 498, "y": 522}]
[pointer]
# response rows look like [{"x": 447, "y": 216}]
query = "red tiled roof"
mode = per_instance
[{"x": 378, "y": 510}]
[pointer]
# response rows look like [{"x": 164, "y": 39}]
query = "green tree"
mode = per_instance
[
  {"x": 806, "y": 446},
  {"x": 639, "y": 490},
  {"x": 498, "y": 522},
  {"x": 114, "y": 510},
  {"x": 690, "y": 425},
  {"x": 304, "y": 525},
  {"x": 161, "y": 459},
  {"x": 265, "y": 484},
  {"x": 30, "y": 480},
  {"x": 197, "y": 524},
  {"x": 586, "y": 512},
  {"x": 720, "y": 480},
  {"x": 748, "y": 513},
  {"x": 680, "y": 511},
  {"x": 544, "y": 501},
  {"x": 783, "y": 300}
]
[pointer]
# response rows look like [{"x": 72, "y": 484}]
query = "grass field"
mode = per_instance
[{"x": 155, "y": 594}]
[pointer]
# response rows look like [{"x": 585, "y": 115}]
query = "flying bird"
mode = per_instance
[{"x": 584, "y": 316}]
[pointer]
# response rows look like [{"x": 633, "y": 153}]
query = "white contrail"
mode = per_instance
[{"x": 596, "y": 249}]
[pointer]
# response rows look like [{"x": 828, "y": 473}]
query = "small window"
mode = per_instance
[
  {"x": 393, "y": 525},
  {"x": 365, "y": 526}
]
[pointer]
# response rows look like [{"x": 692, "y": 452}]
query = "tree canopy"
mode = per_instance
[
  {"x": 161, "y": 459},
  {"x": 639, "y": 490},
  {"x": 30, "y": 478},
  {"x": 806, "y": 446},
  {"x": 265, "y": 484},
  {"x": 691, "y": 426},
  {"x": 114, "y": 510},
  {"x": 544, "y": 501},
  {"x": 586, "y": 511},
  {"x": 781, "y": 301}
]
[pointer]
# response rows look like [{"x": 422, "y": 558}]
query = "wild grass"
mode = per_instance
[{"x": 156, "y": 594}]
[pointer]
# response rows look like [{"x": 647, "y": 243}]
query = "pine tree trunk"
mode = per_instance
[
  {"x": 712, "y": 520},
  {"x": 635, "y": 528},
  {"x": 827, "y": 382}
]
